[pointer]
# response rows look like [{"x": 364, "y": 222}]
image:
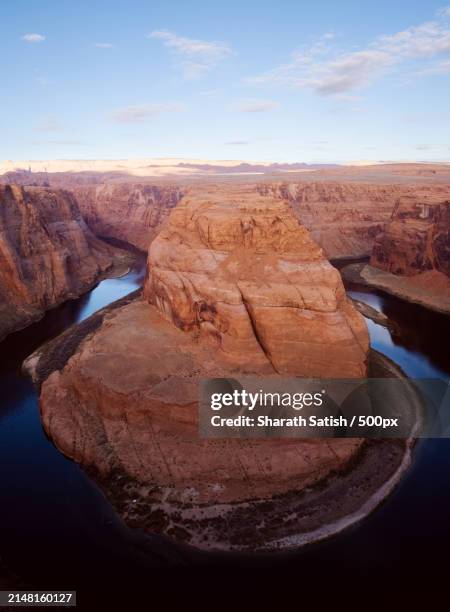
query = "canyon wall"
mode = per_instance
[
  {"x": 47, "y": 253},
  {"x": 342, "y": 218},
  {"x": 130, "y": 212},
  {"x": 416, "y": 239},
  {"x": 345, "y": 218}
]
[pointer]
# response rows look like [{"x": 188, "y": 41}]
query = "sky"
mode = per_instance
[{"x": 289, "y": 81}]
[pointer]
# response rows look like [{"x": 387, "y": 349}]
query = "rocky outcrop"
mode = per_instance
[
  {"x": 47, "y": 254},
  {"x": 345, "y": 218},
  {"x": 129, "y": 212},
  {"x": 416, "y": 239},
  {"x": 411, "y": 256},
  {"x": 238, "y": 269},
  {"x": 235, "y": 285}
]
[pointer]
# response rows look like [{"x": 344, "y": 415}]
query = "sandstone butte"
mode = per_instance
[
  {"x": 47, "y": 253},
  {"x": 234, "y": 285}
]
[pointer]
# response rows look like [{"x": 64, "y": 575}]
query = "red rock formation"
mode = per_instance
[
  {"x": 240, "y": 270},
  {"x": 236, "y": 285},
  {"x": 411, "y": 256},
  {"x": 345, "y": 218},
  {"x": 416, "y": 239},
  {"x": 47, "y": 254},
  {"x": 126, "y": 402},
  {"x": 130, "y": 212}
]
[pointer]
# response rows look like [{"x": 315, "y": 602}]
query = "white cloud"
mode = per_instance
[
  {"x": 327, "y": 72},
  {"x": 103, "y": 45},
  {"x": 139, "y": 114},
  {"x": 197, "y": 56},
  {"x": 255, "y": 106},
  {"x": 33, "y": 38},
  {"x": 237, "y": 142}
]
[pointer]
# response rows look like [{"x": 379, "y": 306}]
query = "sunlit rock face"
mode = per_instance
[
  {"x": 47, "y": 253},
  {"x": 237, "y": 268},
  {"x": 416, "y": 239}
]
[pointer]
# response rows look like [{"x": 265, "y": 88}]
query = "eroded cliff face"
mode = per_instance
[
  {"x": 345, "y": 218},
  {"x": 130, "y": 212},
  {"x": 47, "y": 253},
  {"x": 411, "y": 256},
  {"x": 416, "y": 239},
  {"x": 235, "y": 285},
  {"x": 240, "y": 270}
]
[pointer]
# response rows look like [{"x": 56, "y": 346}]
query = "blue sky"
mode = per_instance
[{"x": 314, "y": 81}]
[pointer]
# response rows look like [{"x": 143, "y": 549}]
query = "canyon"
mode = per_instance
[
  {"x": 344, "y": 207},
  {"x": 343, "y": 218},
  {"x": 416, "y": 239},
  {"x": 411, "y": 256},
  {"x": 47, "y": 254},
  {"x": 238, "y": 282},
  {"x": 235, "y": 285},
  {"x": 128, "y": 212}
]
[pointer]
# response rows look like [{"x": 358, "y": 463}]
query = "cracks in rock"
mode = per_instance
[{"x": 255, "y": 329}]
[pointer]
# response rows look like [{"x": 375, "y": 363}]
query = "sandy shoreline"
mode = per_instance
[{"x": 414, "y": 289}]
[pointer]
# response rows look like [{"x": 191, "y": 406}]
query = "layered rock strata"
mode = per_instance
[
  {"x": 130, "y": 212},
  {"x": 238, "y": 269},
  {"x": 411, "y": 256},
  {"x": 345, "y": 218},
  {"x": 47, "y": 254},
  {"x": 416, "y": 239},
  {"x": 235, "y": 285}
]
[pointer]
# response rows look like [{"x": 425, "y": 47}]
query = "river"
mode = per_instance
[{"x": 58, "y": 531}]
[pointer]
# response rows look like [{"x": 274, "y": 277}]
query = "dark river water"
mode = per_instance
[{"x": 58, "y": 531}]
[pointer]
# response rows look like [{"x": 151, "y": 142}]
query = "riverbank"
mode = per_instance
[
  {"x": 281, "y": 521},
  {"x": 429, "y": 289},
  {"x": 57, "y": 529},
  {"x": 121, "y": 264},
  {"x": 54, "y": 354}
]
